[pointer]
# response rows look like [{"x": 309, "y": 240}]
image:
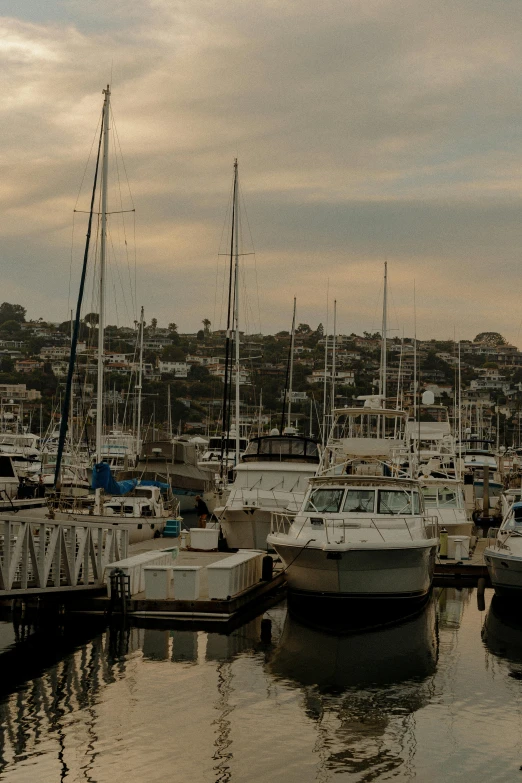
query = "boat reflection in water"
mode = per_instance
[
  {"x": 502, "y": 634},
  {"x": 363, "y": 728}
]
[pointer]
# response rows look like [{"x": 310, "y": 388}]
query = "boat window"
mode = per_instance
[
  {"x": 430, "y": 497},
  {"x": 325, "y": 500},
  {"x": 396, "y": 501},
  {"x": 360, "y": 500},
  {"x": 447, "y": 498},
  {"x": 311, "y": 449},
  {"x": 6, "y": 468}
]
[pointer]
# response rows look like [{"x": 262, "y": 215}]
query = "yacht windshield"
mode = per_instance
[
  {"x": 441, "y": 497},
  {"x": 398, "y": 501},
  {"x": 322, "y": 500},
  {"x": 360, "y": 500}
]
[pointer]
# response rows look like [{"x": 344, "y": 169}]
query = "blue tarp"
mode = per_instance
[{"x": 102, "y": 478}]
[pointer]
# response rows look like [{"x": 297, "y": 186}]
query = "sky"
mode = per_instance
[{"x": 366, "y": 131}]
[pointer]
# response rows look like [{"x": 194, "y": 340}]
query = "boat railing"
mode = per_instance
[
  {"x": 492, "y": 536},
  {"x": 280, "y": 522}
]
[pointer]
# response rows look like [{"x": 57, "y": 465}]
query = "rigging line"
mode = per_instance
[
  {"x": 135, "y": 253},
  {"x": 116, "y": 212},
  {"x": 223, "y": 228},
  {"x": 71, "y": 263},
  {"x": 116, "y": 263},
  {"x": 245, "y": 211},
  {"x": 123, "y": 212}
]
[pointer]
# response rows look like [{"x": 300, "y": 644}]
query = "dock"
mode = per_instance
[
  {"x": 452, "y": 571},
  {"x": 203, "y": 611}
]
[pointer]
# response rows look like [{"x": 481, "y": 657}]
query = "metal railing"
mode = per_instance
[
  {"x": 38, "y": 556},
  {"x": 280, "y": 524}
]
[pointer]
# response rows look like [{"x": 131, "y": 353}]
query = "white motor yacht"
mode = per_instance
[
  {"x": 362, "y": 531},
  {"x": 272, "y": 477},
  {"x": 444, "y": 499},
  {"x": 504, "y": 556}
]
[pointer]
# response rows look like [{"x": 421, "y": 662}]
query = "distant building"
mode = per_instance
[
  {"x": 177, "y": 369},
  {"x": 28, "y": 365},
  {"x": 18, "y": 392}
]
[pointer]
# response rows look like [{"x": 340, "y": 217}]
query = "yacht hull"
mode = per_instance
[
  {"x": 362, "y": 573},
  {"x": 505, "y": 572},
  {"x": 247, "y": 527}
]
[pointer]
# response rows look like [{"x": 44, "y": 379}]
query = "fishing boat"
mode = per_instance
[
  {"x": 504, "y": 556},
  {"x": 272, "y": 477},
  {"x": 362, "y": 532}
]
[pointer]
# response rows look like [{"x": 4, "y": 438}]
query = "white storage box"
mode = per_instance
[
  {"x": 234, "y": 574},
  {"x": 186, "y": 582},
  {"x": 204, "y": 538},
  {"x": 458, "y": 547},
  {"x": 158, "y": 582},
  {"x": 133, "y": 566}
]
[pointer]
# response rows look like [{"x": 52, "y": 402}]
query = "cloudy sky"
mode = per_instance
[{"x": 366, "y": 130}]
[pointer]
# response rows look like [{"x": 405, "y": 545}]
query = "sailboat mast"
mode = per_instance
[
  {"x": 236, "y": 316},
  {"x": 226, "y": 397},
  {"x": 384, "y": 334},
  {"x": 334, "y": 352},
  {"x": 103, "y": 250},
  {"x": 140, "y": 383},
  {"x": 290, "y": 381}
]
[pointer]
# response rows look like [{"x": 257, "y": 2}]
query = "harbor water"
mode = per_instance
[{"x": 437, "y": 697}]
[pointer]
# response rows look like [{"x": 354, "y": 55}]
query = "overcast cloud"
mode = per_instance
[{"x": 365, "y": 130}]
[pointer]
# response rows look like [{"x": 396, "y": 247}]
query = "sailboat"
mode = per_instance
[
  {"x": 140, "y": 506},
  {"x": 272, "y": 477}
]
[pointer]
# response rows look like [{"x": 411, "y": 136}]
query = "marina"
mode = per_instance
[{"x": 260, "y": 392}]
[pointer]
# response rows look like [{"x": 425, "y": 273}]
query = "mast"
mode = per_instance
[
  {"x": 101, "y": 317},
  {"x": 225, "y": 414},
  {"x": 290, "y": 381},
  {"x": 74, "y": 341},
  {"x": 140, "y": 384},
  {"x": 384, "y": 334},
  {"x": 334, "y": 351},
  {"x": 325, "y": 365},
  {"x": 236, "y": 317},
  {"x": 414, "y": 355},
  {"x": 169, "y": 413}
]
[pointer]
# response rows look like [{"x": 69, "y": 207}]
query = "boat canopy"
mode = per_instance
[{"x": 102, "y": 478}]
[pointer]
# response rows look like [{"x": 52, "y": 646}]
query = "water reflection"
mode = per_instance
[
  {"x": 363, "y": 689},
  {"x": 502, "y": 634}
]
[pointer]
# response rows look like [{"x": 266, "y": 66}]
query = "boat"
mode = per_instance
[
  {"x": 143, "y": 512},
  {"x": 361, "y": 533},
  {"x": 438, "y": 469},
  {"x": 503, "y": 556},
  {"x": 176, "y": 463},
  {"x": 272, "y": 477}
]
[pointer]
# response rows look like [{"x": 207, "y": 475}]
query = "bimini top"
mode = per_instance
[{"x": 282, "y": 448}]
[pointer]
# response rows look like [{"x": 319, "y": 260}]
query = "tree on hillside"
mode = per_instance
[
  {"x": 172, "y": 353},
  {"x": 91, "y": 319},
  {"x": 320, "y": 331},
  {"x": 12, "y": 312},
  {"x": 206, "y": 326},
  {"x": 154, "y": 324},
  {"x": 303, "y": 329},
  {"x": 10, "y": 327},
  {"x": 490, "y": 338},
  {"x": 173, "y": 327}
]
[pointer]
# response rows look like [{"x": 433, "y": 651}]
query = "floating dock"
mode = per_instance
[
  {"x": 463, "y": 570},
  {"x": 202, "y": 611}
]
